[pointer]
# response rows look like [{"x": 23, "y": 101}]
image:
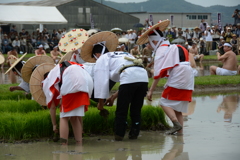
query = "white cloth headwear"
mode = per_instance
[
  {"x": 41, "y": 46},
  {"x": 156, "y": 37},
  {"x": 227, "y": 44},
  {"x": 101, "y": 44}
]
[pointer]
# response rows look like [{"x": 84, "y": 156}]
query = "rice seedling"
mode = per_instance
[
  {"x": 22, "y": 106},
  {"x": 26, "y": 120}
]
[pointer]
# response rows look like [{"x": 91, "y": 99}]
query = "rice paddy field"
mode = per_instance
[{"x": 23, "y": 118}]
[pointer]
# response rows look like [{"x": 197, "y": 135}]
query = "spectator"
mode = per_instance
[
  {"x": 208, "y": 33},
  {"x": 131, "y": 37},
  {"x": 135, "y": 52},
  {"x": 203, "y": 25},
  {"x": 169, "y": 34},
  {"x": 40, "y": 51},
  {"x": 238, "y": 30},
  {"x": 196, "y": 33},
  {"x": 236, "y": 16},
  {"x": 228, "y": 35},
  {"x": 29, "y": 46},
  {"x": 202, "y": 46},
  {"x": 6, "y": 44},
  {"x": 16, "y": 44},
  {"x": 194, "y": 51},
  {"x": 187, "y": 36},
  {"x": 23, "y": 46},
  {"x": 55, "y": 41},
  {"x": 54, "y": 34},
  {"x": 55, "y": 54},
  {"x": 229, "y": 60},
  {"x": 220, "y": 45},
  {"x": 23, "y": 33},
  {"x": 147, "y": 55},
  {"x": 233, "y": 42}
]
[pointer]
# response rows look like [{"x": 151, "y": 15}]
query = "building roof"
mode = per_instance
[
  {"x": 30, "y": 15},
  {"x": 41, "y": 3},
  {"x": 145, "y": 12}
]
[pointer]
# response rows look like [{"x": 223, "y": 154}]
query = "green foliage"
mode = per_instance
[
  {"x": 23, "y": 106},
  {"x": 217, "y": 80},
  {"x": 26, "y": 119}
]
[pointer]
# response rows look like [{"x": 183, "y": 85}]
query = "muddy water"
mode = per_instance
[
  {"x": 8, "y": 78},
  {"x": 211, "y": 132}
]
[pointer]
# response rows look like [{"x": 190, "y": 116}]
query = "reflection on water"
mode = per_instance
[
  {"x": 203, "y": 68},
  {"x": 8, "y": 78},
  {"x": 206, "y": 136}
]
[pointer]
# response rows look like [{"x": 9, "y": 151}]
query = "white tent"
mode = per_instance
[{"x": 30, "y": 15}]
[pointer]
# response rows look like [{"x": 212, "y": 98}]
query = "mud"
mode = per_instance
[{"x": 210, "y": 132}]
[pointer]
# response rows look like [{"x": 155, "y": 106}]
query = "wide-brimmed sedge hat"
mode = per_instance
[
  {"x": 197, "y": 28},
  {"x": 111, "y": 43},
  {"x": 32, "y": 63},
  {"x": 35, "y": 82},
  {"x": 14, "y": 61},
  {"x": 161, "y": 25},
  {"x": 2, "y": 59},
  {"x": 73, "y": 40},
  {"x": 66, "y": 57}
]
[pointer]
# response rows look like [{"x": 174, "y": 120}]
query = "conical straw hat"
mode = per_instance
[
  {"x": 73, "y": 40},
  {"x": 14, "y": 61},
  {"x": 31, "y": 63},
  {"x": 36, "y": 82},
  {"x": 2, "y": 59},
  {"x": 66, "y": 57},
  {"x": 162, "y": 25},
  {"x": 110, "y": 38}
]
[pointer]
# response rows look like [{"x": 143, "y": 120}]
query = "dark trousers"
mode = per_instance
[{"x": 129, "y": 95}]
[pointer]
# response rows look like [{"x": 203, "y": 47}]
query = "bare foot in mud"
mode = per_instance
[{"x": 176, "y": 127}]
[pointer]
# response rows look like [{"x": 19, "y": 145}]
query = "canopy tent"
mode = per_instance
[{"x": 30, "y": 15}]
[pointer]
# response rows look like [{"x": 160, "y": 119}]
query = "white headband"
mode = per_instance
[
  {"x": 101, "y": 44},
  {"x": 227, "y": 44},
  {"x": 156, "y": 37}
]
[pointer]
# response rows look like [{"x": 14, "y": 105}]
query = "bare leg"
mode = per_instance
[
  {"x": 64, "y": 130},
  {"x": 81, "y": 121},
  {"x": 180, "y": 120},
  {"x": 201, "y": 57},
  {"x": 170, "y": 113},
  {"x": 77, "y": 129},
  {"x": 174, "y": 118},
  {"x": 213, "y": 70}
]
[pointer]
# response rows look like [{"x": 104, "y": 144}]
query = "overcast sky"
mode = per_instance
[{"x": 205, "y": 3}]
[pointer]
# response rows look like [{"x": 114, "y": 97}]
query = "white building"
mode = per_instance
[{"x": 190, "y": 20}]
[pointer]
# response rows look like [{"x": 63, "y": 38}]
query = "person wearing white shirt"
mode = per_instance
[
  {"x": 131, "y": 37},
  {"x": 208, "y": 33},
  {"x": 16, "y": 44}
]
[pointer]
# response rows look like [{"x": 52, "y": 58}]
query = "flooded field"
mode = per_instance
[
  {"x": 211, "y": 132},
  {"x": 203, "y": 70}
]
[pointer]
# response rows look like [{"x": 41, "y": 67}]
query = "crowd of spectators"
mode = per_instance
[
  {"x": 27, "y": 42},
  {"x": 205, "y": 36}
]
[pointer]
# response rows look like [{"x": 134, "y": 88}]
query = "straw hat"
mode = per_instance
[
  {"x": 73, "y": 40},
  {"x": 14, "y": 61},
  {"x": 66, "y": 57},
  {"x": 110, "y": 38},
  {"x": 2, "y": 59},
  {"x": 196, "y": 28},
  {"x": 28, "y": 67},
  {"x": 36, "y": 82},
  {"x": 162, "y": 25}
]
